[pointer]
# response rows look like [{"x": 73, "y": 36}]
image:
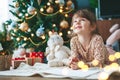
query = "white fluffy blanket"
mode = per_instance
[{"x": 54, "y": 72}]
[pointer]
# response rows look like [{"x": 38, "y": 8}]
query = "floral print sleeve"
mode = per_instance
[{"x": 73, "y": 46}]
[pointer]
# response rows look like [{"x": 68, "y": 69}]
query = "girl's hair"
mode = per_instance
[{"x": 85, "y": 13}]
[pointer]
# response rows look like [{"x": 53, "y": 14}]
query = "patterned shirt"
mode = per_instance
[{"x": 96, "y": 50}]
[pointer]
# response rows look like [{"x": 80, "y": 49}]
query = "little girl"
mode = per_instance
[{"x": 87, "y": 45}]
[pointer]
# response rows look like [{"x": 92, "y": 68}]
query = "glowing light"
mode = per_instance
[
  {"x": 35, "y": 12},
  {"x": 54, "y": 25},
  {"x": 85, "y": 67},
  {"x": 56, "y": 1},
  {"x": 26, "y": 14},
  {"x": 41, "y": 9},
  {"x": 32, "y": 34},
  {"x": 66, "y": 15},
  {"x": 69, "y": 32},
  {"x": 114, "y": 65},
  {"x": 61, "y": 7},
  {"x": 81, "y": 64},
  {"x": 95, "y": 62},
  {"x": 48, "y": 4},
  {"x": 60, "y": 34},
  {"x": 18, "y": 39},
  {"x": 15, "y": 30},
  {"x": 103, "y": 76},
  {"x": 50, "y": 33},
  {"x": 117, "y": 55},
  {"x": 60, "y": 10},
  {"x": 71, "y": 27},
  {"x": 43, "y": 37},
  {"x": 111, "y": 57},
  {"x": 25, "y": 38}
]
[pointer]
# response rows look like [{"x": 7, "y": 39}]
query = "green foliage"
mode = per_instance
[
  {"x": 29, "y": 11},
  {"x": 6, "y": 45}
]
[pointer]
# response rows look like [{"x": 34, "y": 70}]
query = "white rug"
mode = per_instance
[{"x": 55, "y": 72}]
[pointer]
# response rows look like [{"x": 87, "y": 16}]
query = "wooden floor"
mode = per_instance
[{"x": 31, "y": 78}]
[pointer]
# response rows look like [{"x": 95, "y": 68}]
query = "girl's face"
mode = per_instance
[{"x": 81, "y": 25}]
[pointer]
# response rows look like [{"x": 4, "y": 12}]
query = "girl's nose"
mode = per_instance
[{"x": 78, "y": 21}]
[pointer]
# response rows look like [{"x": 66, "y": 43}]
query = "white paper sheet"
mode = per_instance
[{"x": 54, "y": 72}]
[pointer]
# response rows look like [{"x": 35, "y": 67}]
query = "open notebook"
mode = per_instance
[{"x": 54, "y": 72}]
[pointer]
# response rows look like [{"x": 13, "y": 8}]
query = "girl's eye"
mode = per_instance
[
  {"x": 82, "y": 19},
  {"x": 75, "y": 21}
]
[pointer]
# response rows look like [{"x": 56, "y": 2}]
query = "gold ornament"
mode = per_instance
[
  {"x": 69, "y": 3},
  {"x": 64, "y": 24},
  {"x": 31, "y": 10},
  {"x": 24, "y": 26},
  {"x": 50, "y": 9},
  {"x": 16, "y": 4}
]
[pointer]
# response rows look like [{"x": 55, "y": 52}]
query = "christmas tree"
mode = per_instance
[{"x": 35, "y": 20}]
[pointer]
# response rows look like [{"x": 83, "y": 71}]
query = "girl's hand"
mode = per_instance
[
  {"x": 74, "y": 66},
  {"x": 74, "y": 63}
]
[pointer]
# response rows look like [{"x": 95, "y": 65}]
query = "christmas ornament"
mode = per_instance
[
  {"x": 61, "y": 2},
  {"x": 16, "y": 4},
  {"x": 64, "y": 24},
  {"x": 70, "y": 5},
  {"x": 40, "y": 31},
  {"x": 24, "y": 26},
  {"x": 31, "y": 10},
  {"x": 13, "y": 25},
  {"x": 50, "y": 9}
]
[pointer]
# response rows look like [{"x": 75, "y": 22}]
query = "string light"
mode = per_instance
[
  {"x": 117, "y": 55},
  {"x": 66, "y": 15},
  {"x": 25, "y": 38},
  {"x": 103, "y": 76},
  {"x": 48, "y": 3},
  {"x": 32, "y": 34},
  {"x": 81, "y": 64},
  {"x": 69, "y": 32},
  {"x": 111, "y": 57},
  {"x": 54, "y": 25},
  {"x": 50, "y": 33},
  {"x": 18, "y": 39},
  {"x": 26, "y": 14},
  {"x": 41, "y": 10},
  {"x": 60, "y": 10},
  {"x": 56, "y": 1},
  {"x": 95, "y": 62},
  {"x": 43, "y": 37},
  {"x": 60, "y": 33}
]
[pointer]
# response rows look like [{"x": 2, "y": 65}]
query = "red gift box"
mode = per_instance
[
  {"x": 34, "y": 57},
  {"x": 32, "y": 61},
  {"x": 16, "y": 62}
]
